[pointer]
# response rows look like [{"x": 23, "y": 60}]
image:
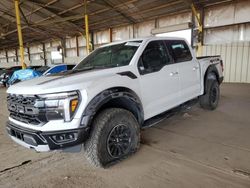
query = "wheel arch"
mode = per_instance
[
  {"x": 116, "y": 97},
  {"x": 210, "y": 74}
]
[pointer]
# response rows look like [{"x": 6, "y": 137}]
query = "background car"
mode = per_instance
[
  {"x": 23, "y": 74},
  {"x": 36, "y": 71},
  {"x": 35, "y": 67},
  {"x": 58, "y": 68},
  {"x": 43, "y": 69},
  {"x": 2, "y": 73},
  {"x": 2, "y": 70},
  {"x": 6, "y": 75}
]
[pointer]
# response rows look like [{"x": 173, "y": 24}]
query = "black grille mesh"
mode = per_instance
[
  {"x": 16, "y": 102},
  {"x": 20, "y": 99}
]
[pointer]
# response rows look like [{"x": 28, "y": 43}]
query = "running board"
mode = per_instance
[{"x": 159, "y": 118}]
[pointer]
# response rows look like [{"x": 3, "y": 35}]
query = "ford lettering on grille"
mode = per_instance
[{"x": 23, "y": 109}]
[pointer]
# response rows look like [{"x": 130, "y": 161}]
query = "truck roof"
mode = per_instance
[{"x": 143, "y": 39}]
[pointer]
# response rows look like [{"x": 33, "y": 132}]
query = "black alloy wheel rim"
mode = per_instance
[
  {"x": 214, "y": 94},
  {"x": 119, "y": 141}
]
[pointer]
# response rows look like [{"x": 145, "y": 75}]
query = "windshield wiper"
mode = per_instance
[
  {"x": 93, "y": 67},
  {"x": 83, "y": 69},
  {"x": 105, "y": 66}
]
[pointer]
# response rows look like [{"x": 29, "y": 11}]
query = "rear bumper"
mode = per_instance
[
  {"x": 221, "y": 79},
  {"x": 46, "y": 141}
]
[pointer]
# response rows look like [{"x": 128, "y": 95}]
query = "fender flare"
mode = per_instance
[
  {"x": 106, "y": 96},
  {"x": 210, "y": 75}
]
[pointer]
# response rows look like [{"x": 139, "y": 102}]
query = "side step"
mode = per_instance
[{"x": 159, "y": 118}]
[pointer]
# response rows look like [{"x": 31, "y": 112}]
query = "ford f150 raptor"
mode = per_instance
[{"x": 102, "y": 103}]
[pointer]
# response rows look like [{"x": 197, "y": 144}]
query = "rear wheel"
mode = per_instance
[
  {"x": 211, "y": 98},
  {"x": 115, "y": 135}
]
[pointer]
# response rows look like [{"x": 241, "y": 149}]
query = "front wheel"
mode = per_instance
[
  {"x": 115, "y": 135},
  {"x": 211, "y": 98}
]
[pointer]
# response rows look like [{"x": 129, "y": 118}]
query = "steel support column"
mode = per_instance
[
  {"x": 86, "y": 26},
  {"x": 19, "y": 30},
  {"x": 28, "y": 51},
  {"x": 92, "y": 41},
  {"x": 77, "y": 46},
  {"x": 6, "y": 55},
  {"x": 110, "y": 35},
  {"x": 200, "y": 28},
  {"x": 44, "y": 54}
]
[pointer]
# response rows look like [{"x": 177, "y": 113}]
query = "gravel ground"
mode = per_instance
[{"x": 196, "y": 148}]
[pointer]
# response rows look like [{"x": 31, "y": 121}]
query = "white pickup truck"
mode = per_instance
[{"x": 102, "y": 104}]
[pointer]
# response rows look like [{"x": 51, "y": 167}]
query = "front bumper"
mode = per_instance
[{"x": 46, "y": 141}]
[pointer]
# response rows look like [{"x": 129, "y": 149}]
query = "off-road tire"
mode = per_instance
[
  {"x": 96, "y": 147},
  {"x": 211, "y": 97}
]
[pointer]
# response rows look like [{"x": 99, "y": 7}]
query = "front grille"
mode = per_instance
[
  {"x": 20, "y": 99},
  {"x": 26, "y": 118},
  {"x": 22, "y": 108}
]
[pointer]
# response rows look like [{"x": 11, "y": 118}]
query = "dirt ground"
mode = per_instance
[{"x": 194, "y": 149}]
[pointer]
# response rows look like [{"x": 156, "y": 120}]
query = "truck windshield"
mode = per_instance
[{"x": 110, "y": 56}]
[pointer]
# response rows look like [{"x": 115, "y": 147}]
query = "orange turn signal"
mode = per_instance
[{"x": 73, "y": 105}]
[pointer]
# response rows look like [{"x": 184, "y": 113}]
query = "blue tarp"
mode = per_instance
[
  {"x": 24, "y": 74},
  {"x": 27, "y": 74}
]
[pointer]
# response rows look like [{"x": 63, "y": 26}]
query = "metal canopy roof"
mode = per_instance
[{"x": 46, "y": 19}]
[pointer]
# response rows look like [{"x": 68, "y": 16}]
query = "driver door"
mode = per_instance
[{"x": 159, "y": 81}]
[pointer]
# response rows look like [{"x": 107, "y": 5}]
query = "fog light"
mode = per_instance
[
  {"x": 69, "y": 136},
  {"x": 66, "y": 137}
]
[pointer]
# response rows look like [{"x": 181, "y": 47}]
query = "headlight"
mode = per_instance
[{"x": 59, "y": 105}]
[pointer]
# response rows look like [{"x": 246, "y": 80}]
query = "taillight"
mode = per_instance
[{"x": 222, "y": 66}]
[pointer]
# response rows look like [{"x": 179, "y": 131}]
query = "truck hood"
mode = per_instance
[{"x": 67, "y": 81}]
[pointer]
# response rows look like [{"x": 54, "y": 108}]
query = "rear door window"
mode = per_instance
[{"x": 179, "y": 50}]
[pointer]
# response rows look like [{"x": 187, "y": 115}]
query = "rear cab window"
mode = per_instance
[{"x": 179, "y": 50}]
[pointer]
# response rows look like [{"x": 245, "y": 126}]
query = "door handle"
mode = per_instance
[
  {"x": 173, "y": 73},
  {"x": 195, "y": 68}
]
